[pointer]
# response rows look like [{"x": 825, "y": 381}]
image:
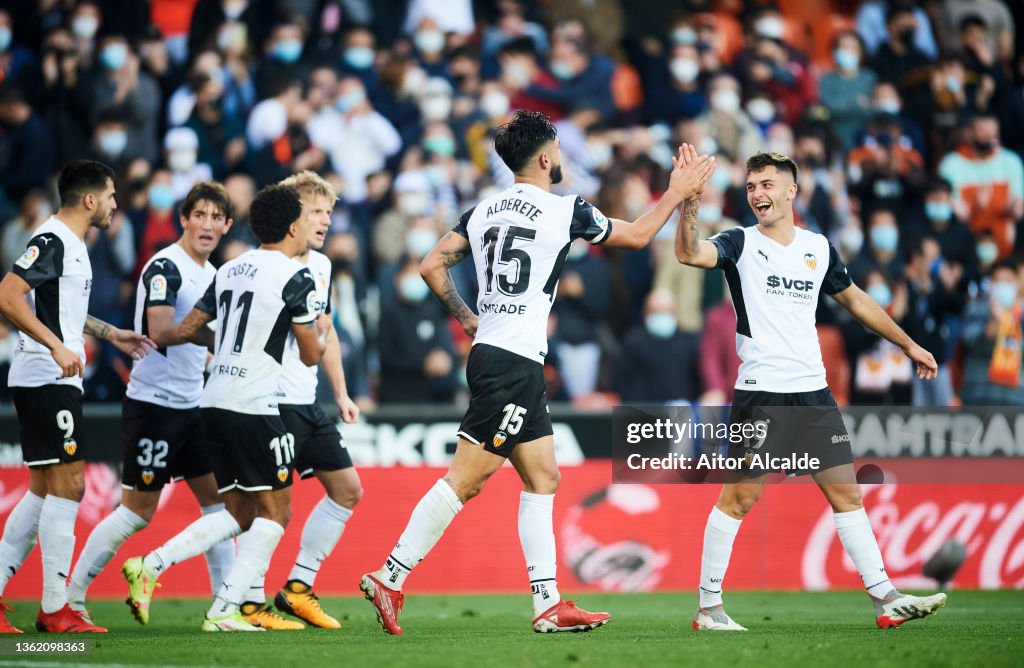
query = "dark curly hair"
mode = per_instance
[
  {"x": 272, "y": 211},
  {"x": 78, "y": 178},
  {"x": 519, "y": 140},
  {"x": 783, "y": 163}
]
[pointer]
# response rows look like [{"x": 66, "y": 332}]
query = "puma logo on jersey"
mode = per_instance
[{"x": 762, "y": 254}]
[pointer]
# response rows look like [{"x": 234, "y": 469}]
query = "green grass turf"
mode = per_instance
[{"x": 787, "y": 629}]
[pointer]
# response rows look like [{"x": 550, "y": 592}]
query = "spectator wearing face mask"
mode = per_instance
[
  {"x": 582, "y": 78},
  {"x": 881, "y": 372},
  {"x": 988, "y": 182},
  {"x": 993, "y": 342},
  {"x": 282, "y": 58},
  {"x": 887, "y": 103},
  {"x": 454, "y": 16},
  {"x": 207, "y": 15},
  {"x": 994, "y": 14},
  {"x": 157, "y": 221},
  {"x": 775, "y": 69},
  {"x": 429, "y": 45},
  {"x": 181, "y": 152},
  {"x": 658, "y": 362},
  {"x": 13, "y": 58},
  {"x": 847, "y": 89},
  {"x": 221, "y": 135},
  {"x": 358, "y": 53},
  {"x": 941, "y": 223},
  {"x": 581, "y": 305},
  {"x": 871, "y": 26},
  {"x": 882, "y": 252},
  {"x": 672, "y": 86},
  {"x": 26, "y": 153},
  {"x": 512, "y": 24},
  {"x": 726, "y": 121},
  {"x": 110, "y": 140},
  {"x": 416, "y": 355},
  {"x": 886, "y": 171},
  {"x": 120, "y": 85},
  {"x": 16, "y": 232}
]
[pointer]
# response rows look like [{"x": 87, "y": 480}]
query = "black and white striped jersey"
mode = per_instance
[
  {"x": 255, "y": 298},
  {"x": 56, "y": 266},
  {"x": 519, "y": 239},
  {"x": 774, "y": 291},
  {"x": 172, "y": 376}
]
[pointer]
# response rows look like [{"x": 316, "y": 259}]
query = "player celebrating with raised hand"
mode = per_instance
[
  {"x": 46, "y": 296},
  {"x": 259, "y": 299},
  {"x": 322, "y": 453},
  {"x": 160, "y": 414},
  {"x": 519, "y": 240},
  {"x": 775, "y": 272}
]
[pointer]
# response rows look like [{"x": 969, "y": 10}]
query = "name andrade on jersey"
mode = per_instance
[{"x": 510, "y": 309}]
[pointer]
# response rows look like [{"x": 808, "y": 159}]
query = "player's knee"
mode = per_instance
[
  {"x": 546, "y": 482},
  {"x": 348, "y": 496},
  {"x": 743, "y": 502}
]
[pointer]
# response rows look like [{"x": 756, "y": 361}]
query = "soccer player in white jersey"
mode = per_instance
[
  {"x": 775, "y": 272},
  {"x": 160, "y": 415},
  {"x": 322, "y": 453},
  {"x": 46, "y": 296},
  {"x": 519, "y": 239},
  {"x": 260, "y": 300}
]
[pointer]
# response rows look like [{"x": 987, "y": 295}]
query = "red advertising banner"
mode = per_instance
[{"x": 617, "y": 538}]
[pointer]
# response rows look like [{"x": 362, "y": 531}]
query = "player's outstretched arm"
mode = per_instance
[
  {"x": 312, "y": 338},
  {"x": 865, "y": 309},
  {"x": 162, "y": 328},
  {"x": 690, "y": 248},
  {"x": 131, "y": 343},
  {"x": 335, "y": 372},
  {"x": 687, "y": 181},
  {"x": 449, "y": 251},
  {"x": 15, "y": 308},
  {"x": 193, "y": 329}
]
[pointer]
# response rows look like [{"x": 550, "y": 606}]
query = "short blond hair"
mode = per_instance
[{"x": 309, "y": 183}]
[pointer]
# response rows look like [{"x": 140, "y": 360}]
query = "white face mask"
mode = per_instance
[
  {"x": 414, "y": 81},
  {"x": 234, "y": 8},
  {"x": 761, "y": 110},
  {"x": 888, "y": 105},
  {"x": 770, "y": 26},
  {"x": 436, "y": 107},
  {"x": 600, "y": 153},
  {"x": 726, "y": 101},
  {"x": 495, "y": 104},
  {"x": 851, "y": 239},
  {"x": 517, "y": 73},
  {"x": 419, "y": 242},
  {"x": 429, "y": 41},
  {"x": 85, "y": 26},
  {"x": 181, "y": 161},
  {"x": 684, "y": 69},
  {"x": 413, "y": 203}
]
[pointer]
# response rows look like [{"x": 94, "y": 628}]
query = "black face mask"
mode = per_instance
[
  {"x": 906, "y": 36},
  {"x": 341, "y": 265},
  {"x": 984, "y": 146}
]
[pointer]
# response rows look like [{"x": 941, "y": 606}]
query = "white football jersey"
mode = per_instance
[
  {"x": 298, "y": 381},
  {"x": 256, "y": 297},
  {"x": 56, "y": 266},
  {"x": 519, "y": 239},
  {"x": 774, "y": 291},
  {"x": 173, "y": 376}
]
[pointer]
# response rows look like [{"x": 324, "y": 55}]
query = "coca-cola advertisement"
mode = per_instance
[{"x": 610, "y": 537}]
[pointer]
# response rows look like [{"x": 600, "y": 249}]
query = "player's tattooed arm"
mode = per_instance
[
  {"x": 194, "y": 330},
  {"x": 449, "y": 251},
  {"x": 688, "y": 215},
  {"x": 130, "y": 343}
]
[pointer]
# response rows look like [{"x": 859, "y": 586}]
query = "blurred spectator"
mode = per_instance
[
  {"x": 955, "y": 240},
  {"x": 239, "y": 83},
  {"x": 992, "y": 13},
  {"x": 815, "y": 197},
  {"x": 882, "y": 253},
  {"x": 86, "y": 20},
  {"x": 348, "y": 310},
  {"x": 992, "y": 334},
  {"x": 583, "y": 79},
  {"x": 581, "y": 304},
  {"x": 988, "y": 182},
  {"x": 658, "y": 362},
  {"x": 181, "y": 152},
  {"x": 13, "y": 57},
  {"x": 241, "y": 191},
  {"x": 726, "y": 122},
  {"x": 429, "y": 41},
  {"x": 673, "y": 88},
  {"x": 112, "y": 254},
  {"x": 521, "y": 74},
  {"x": 512, "y": 24},
  {"x": 934, "y": 304},
  {"x": 872, "y": 28},
  {"x": 159, "y": 226},
  {"x": 26, "y": 156},
  {"x": 886, "y": 171},
  {"x": 881, "y": 372},
  {"x": 35, "y": 209},
  {"x": 454, "y": 16},
  {"x": 282, "y": 53},
  {"x": 156, "y": 62},
  {"x": 719, "y": 363},
  {"x": 898, "y": 60},
  {"x": 847, "y": 90},
  {"x": 103, "y": 379},
  {"x": 119, "y": 84},
  {"x": 887, "y": 101},
  {"x": 221, "y": 135},
  {"x": 601, "y": 22},
  {"x": 209, "y": 16},
  {"x": 417, "y": 364},
  {"x": 358, "y": 56}
]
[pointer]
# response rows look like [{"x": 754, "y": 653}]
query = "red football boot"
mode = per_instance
[
  {"x": 5, "y": 626},
  {"x": 565, "y": 616},
  {"x": 66, "y": 620},
  {"x": 387, "y": 602}
]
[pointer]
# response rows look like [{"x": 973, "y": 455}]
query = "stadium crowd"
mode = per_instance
[{"x": 906, "y": 119}]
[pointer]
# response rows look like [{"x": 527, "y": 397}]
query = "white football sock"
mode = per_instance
[
  {"x": 100, "y": 548},
  {"x": 221, "y": 557},
  {"x": 537, "y": 536},
  {"x": 323, "y": 528},
  {"x": 256, "y": 593},
  {"x": 255, "y": 548},
  {"x": 854, "y": 529},
  {"x": 719, "y": 535},
  {"x": 193, "y": 540},
  {"x": 429, "y": 519},
  {"x": 19, "y": 536},
  {"x": 57, "y": 544}
]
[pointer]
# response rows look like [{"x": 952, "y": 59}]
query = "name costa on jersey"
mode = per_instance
[
  {"x": 56, "y": 267},
  {"x": 255, "y": 298},
  {"x": 519, "y": 240},
  {"x": 775, "y": 290}
]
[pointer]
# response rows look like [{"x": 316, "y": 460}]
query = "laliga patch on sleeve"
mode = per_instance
[
  {"x": 311, "y": 302},
  {"x": 600, "y": 218},
  {"x": 158, "y": 288},
  {"x": 30, "y": 255}
]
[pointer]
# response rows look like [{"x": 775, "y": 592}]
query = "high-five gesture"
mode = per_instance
[{"x": 690, "y": 172}]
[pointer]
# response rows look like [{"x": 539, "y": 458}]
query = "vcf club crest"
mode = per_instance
[
  {"x": 499, "y": 439},
  {"x": 810, "y": 261},
  {"x": 282, "y": 473},
  {"x": 70, "y": 446},
  {"x": 148, "y": 477}
]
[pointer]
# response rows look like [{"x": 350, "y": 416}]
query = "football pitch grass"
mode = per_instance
[{"x": 787, "y": 629}]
